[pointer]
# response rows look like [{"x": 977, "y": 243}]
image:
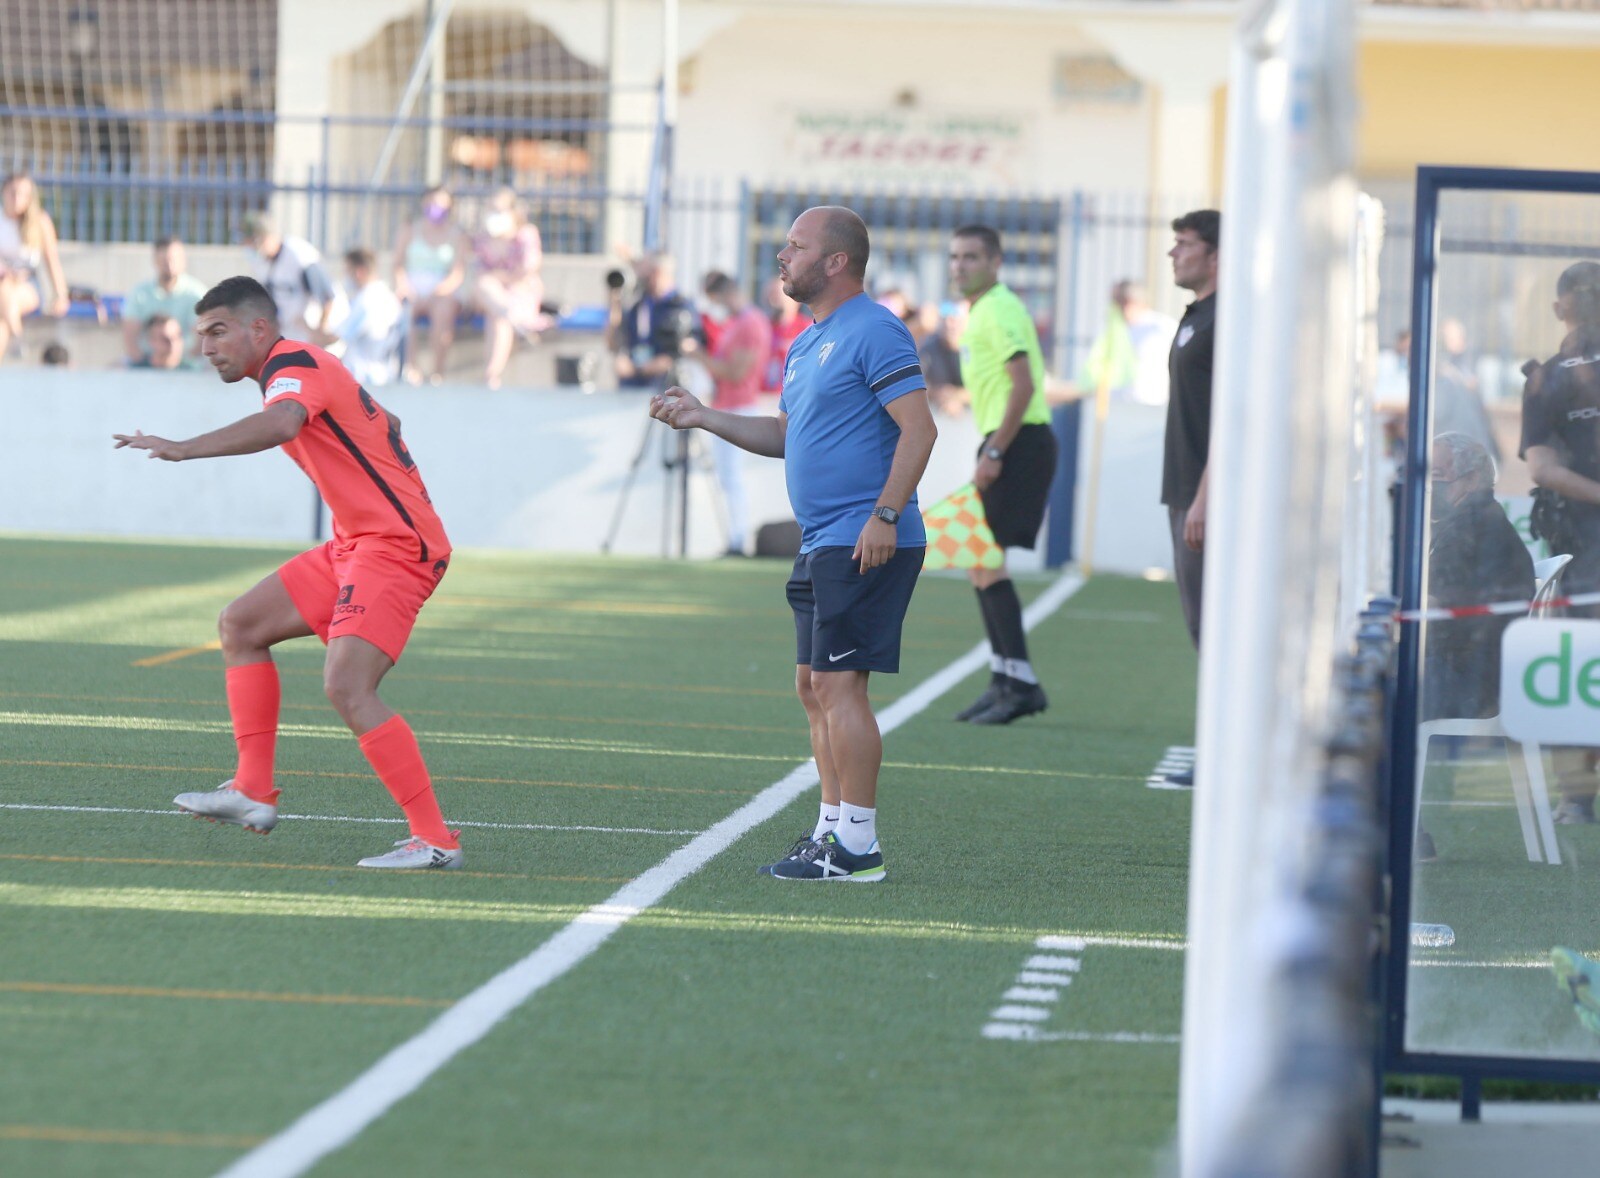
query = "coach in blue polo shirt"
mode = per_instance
[{"x": 854, "y": 431}]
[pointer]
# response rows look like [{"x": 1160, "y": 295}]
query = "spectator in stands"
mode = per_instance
[
  {"x": 55, "y": 355},
  {"x": 172, "y": 294},
  {"x": 430, "y": 266},
  {"x": 162, "y": 343},
  {"x": 371, "y": 331},
  {"x": 940, "y": 355},
  {"x": 292, "y": 271},
  {"x": 27, "y": 245},
  {"x": 647, "y": 337},
  {"x": 510, "y": 289},
  {"x": 735, "y": 362},
  {"x": 1457, "y": 392},
  {"x": 789, "y": 319},
  {"x": 1150, "y": 334}
]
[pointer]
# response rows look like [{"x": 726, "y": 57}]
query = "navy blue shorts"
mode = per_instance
[{"x": 846, "y": 620}]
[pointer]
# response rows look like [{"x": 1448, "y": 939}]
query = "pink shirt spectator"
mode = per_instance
[{"x": 748, "y": 331}]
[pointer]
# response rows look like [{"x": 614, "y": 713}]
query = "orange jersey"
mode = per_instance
[{"x": 350, "y": 447}]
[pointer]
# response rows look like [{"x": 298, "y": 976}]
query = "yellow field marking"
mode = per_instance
[
  {"x": 93, "y": 991},
  {"x": 71, "y": 1135},
  {"x": 300, "y": 867},
  {"x": 219, "y": 771},
  {"x": 276, "y": 904},
  {"x": 173, "y": 656},
  {"x": 241, "y": 903},
  {"x": 529, "y": 743},
  {"x": 218, "y": 701},
  {"x": 413, "y": 676}
]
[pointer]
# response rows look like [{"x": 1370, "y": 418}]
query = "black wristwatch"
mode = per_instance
[
  {"x": 994, "y": 453},
  {"x": 887, "y": 514}
]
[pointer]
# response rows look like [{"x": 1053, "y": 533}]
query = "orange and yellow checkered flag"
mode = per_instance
[{"x": 958, "y": 535}]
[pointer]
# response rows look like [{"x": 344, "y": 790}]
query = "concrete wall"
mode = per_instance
[{"x": 524, "y": 469}]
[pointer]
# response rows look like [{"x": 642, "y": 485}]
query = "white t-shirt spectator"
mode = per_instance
[
  {"x": 371, "y": 335},
  {"x": 296, "y": 278}
]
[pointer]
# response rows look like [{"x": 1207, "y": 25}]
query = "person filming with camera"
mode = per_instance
[{"x": 647, "y": 337}]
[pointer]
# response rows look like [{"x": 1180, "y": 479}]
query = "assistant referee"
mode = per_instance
[{"x": 1002, "y": 368}]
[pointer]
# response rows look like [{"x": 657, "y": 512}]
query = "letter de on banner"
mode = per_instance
[{"x": 1550, "y": 681}]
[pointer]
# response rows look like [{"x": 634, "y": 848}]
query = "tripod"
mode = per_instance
[{"x": 681, "y": 450}]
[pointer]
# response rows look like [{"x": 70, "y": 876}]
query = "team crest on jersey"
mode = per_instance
[
  {"x": 822, "y": 356},
  {"x": 1185, "y": 334},
  {"x": 283, "y": 384}
]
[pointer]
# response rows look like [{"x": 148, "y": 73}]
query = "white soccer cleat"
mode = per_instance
[
  {"x": 413, "y": 854},
  {"x": 226, "y": 804}
]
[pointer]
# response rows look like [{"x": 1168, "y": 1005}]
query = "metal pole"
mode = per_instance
[{"x": 419, "y": 71}]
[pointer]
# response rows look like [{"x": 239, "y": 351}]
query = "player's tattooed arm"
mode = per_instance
[{"x": 273, "y": 426}]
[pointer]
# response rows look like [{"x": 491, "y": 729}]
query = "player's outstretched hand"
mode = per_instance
[
  {"x": 678, "y": 407},
  {"x": 162, "y": 448}
]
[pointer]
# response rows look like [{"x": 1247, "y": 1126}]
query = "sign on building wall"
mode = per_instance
[{"x": 909, "y": 146}]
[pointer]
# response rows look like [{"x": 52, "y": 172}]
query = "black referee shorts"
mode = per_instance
[{"x": 1014, "y": 503}]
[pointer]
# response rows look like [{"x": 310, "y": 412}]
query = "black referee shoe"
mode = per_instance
[
  {"x": 990, "y": 696},
  {"x": 1014, "y": 701}
]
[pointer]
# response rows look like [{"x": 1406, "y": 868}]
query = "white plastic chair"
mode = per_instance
[{"x": 1526, "y": 761}]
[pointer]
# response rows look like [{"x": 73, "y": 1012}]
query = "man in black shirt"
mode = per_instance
[
  {"x": 1188, "y": 441},
  {"x": 1561, "y": 443}
]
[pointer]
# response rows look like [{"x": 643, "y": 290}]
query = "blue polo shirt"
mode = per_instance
[{"x": 840, "y": 373}]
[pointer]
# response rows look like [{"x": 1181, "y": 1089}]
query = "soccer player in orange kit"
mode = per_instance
[{"x": 360, "y": 592}]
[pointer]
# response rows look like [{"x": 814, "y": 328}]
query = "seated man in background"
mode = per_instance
[
  {"x": 161, "y": 342},
  {"x": 172, "y": 293},
  {"x": 1474, "y": 556}
]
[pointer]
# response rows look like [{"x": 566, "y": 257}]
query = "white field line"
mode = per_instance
[
  {"x": 342, "y": 1117},
  {"x": 347, "y": 818}
]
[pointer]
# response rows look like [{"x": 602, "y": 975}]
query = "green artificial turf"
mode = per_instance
[{"x": 171, "y": 991}]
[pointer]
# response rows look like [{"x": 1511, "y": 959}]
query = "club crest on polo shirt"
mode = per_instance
[
  {"x": 283, "y": 384},
  {"x": 822, "y": 356},
  {"x": 1185, "y": 334}
]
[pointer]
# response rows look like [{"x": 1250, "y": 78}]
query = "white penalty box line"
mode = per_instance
[{"x": 343, "y": 1116}]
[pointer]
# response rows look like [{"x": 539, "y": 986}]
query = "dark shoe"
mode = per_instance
[
  {"x": 793, "y": 852},
  {"x": 1182, "y": 779},
  {"x": 990, "y": 696},
  {"x": 1575, "y": 813},
  {"x": 1426, "y": 851},
  {"x": 1015, "y": 701},
  {"x": 827, "y": 859}
]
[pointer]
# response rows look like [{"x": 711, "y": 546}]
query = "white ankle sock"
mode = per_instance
[
  {"x": 827, "y": 819},
  {"x": 857, "y": 829},
  {"x": 1021, "y": 670},
  {"x": 997, "y": 664}
]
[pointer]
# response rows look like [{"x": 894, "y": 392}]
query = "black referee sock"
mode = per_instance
[
  {"x": 1002, "y": 611},
  {"x": 997, "y": 656}
]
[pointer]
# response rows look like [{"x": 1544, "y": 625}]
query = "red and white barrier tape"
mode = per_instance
[{"x": 1493, "y": 609}]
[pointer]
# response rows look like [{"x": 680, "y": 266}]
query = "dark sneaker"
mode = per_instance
[
  {"x": 990, "y": 696},
  {"x": 827, "y": 859},
  {"x": 1426, "y": 851},
  {"x": 1015, "y": 701},
  {"x": 1575, "y": 813},
  {"x": 800, "y": 844}
]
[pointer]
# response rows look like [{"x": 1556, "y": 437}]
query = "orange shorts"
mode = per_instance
[{"x": 365, "y": 591}]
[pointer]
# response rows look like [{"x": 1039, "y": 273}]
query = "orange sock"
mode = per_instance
[
  {"x": 391, "y": 749},
  {"x": 253, "y": 703}
]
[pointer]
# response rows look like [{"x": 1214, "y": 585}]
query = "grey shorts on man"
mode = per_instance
[{"x": 1188, "y": 569}]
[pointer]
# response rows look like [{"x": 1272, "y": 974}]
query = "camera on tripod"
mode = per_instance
[{"x": 673, "y": 324}]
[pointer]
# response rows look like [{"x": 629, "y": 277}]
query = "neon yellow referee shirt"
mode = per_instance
[{"x": 998, "y": 327}]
